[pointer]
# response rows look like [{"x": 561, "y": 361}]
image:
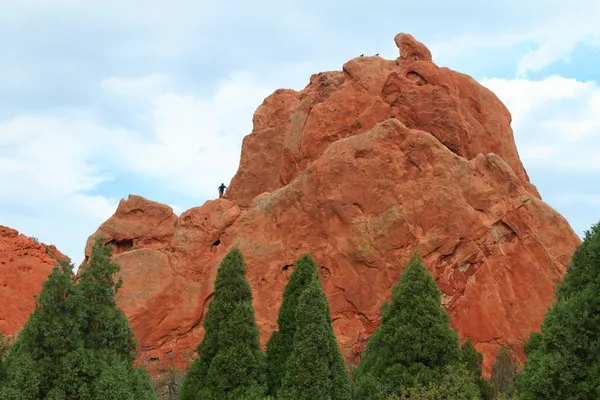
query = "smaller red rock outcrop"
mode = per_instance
[{"x": 24, "y": 265}]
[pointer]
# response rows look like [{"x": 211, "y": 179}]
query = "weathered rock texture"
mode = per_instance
[
  {"x": 328, "y": 171},
  {"x": 292, "y": 129},
  {"x": 24, "y": 265}
]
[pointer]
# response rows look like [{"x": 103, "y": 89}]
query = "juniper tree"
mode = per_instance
[
  {"x": 230, "y": 363},
  {"x": 104, "y": 326},
  {"x": 76, "y": 344},
  {"x": 414, "y": 342},
  {"x": 315, "y": 368},
  {"x": 281, "y": 342},
  {"x": 563, "y": 362}
]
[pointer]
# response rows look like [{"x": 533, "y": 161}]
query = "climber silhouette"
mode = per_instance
[{"x": 222, "y": 190}]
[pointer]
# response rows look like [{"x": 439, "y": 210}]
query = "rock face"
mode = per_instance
[
  {"x": 359, "y": 169},
  {"x": 24, "y": 265},
  {"x": 292, "y": 129}
]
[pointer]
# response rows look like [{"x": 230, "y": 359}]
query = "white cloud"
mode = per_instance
[
  {"x": 183, "y": 28},
  {"x": 46, "y": 174},
  {"x": 50, "y": 163},
  {"x": 556, "y": 121},
  {"x": 192, "y": 144},
  {"x": 139, "y": 88},
  {"x": 548, "y": 51},
  {"x": 549, "y": 26},
  {"x": 51, "y": 153}
]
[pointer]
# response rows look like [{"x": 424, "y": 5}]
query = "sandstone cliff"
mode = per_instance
[
  {"x": 360, "y": 168},
  {"x": 24, "y": 266}
]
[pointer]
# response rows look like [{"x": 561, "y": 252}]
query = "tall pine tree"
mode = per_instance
[
  {"x": 315, "y": 368},
  {"x": 564, "y": 360},
  {"x": 77, "y": 344},
  {"x": 279, "y": 346},
  {"x": 230, "y": 363},
  {"x": 414, "y": 342}
]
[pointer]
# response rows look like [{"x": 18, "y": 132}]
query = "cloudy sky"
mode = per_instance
[{"x": 102, "y": 99}]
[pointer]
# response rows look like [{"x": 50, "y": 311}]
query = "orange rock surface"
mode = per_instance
[
  {"x": 292, "y": 129},
  {"x": 358, "y": 169},
  {"x": 24, "y": 266}
]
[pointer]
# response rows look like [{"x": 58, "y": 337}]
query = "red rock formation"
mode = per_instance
[
  {"x": 292, "y": 129},
  {"x": 327, "y": 171},
  {"x": 24, "y": 266}
]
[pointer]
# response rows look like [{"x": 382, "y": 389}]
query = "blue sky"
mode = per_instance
[{"x": 100, "y": 100}]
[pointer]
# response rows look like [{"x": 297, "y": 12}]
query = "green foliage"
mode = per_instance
[
  {"x": 230, "y": 363},
  {"x": 473, "y": 360},
  {"x": 564, "y": 360},
  {"x": 535, "y": 339},
  {"x": 456, "y": 384},
  {"x": 279, "y": 346},
  {"x": 414, "y": 343},
  {"x": 504, "y": 372},
  {"x": 107, "y": 326},
  {"x": 315, "y": 368},
  {"x": 77, "y": 344},
  {"x": 487, "y": 390},
  {"x": 583, "y": 271}
]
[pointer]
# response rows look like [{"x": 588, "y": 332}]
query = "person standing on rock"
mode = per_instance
[{"x": 222, "y": 190}]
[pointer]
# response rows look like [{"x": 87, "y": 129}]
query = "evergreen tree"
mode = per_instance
[
  {"x": 76, "y": 342},
  {"x": 504, "y": 373},
  {"x": 414, "y": 342},
  {"x": 230, "y": 363},
  {"x": 564, "y": 360},
  {"x": 472, "y": 358},
  {"x": 473, "y": 361},
  {"x": 315, "y": 369},
  {"x": 281, "y": 342},
  {"x": 104, "y": 326}
]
